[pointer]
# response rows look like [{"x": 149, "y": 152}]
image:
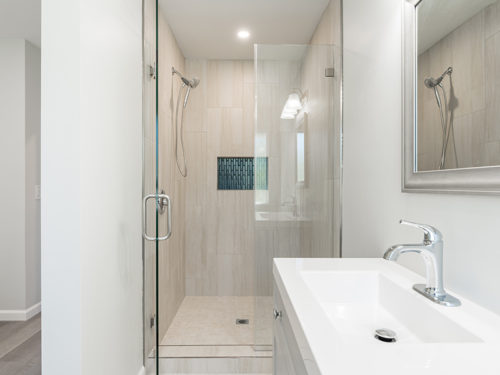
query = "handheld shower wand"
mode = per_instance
[{"x": 190, "y": 84}]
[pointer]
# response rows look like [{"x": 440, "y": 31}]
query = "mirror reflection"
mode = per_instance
[{"x": 458, "y": 84}]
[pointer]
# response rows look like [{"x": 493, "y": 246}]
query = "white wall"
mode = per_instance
[
  {"x": 12, "y": 162},
  {"x": 92, "y": 182},
  {"x": 373, "y": 202},
  {"x": 32, "y": 178},
  {"x": 20, "y": 171}
]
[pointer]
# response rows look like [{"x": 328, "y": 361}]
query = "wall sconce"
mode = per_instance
[{"x": 293, "y": 105}]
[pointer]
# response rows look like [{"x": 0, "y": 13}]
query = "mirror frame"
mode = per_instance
[{"x": 479, "y": 180}]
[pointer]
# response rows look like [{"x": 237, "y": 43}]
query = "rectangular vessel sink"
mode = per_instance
[
  {"x": 336, "y": 305},
  {"x": 358, "y": 303}
]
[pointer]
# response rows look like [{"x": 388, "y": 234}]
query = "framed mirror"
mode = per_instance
[{"x": 451, "y": 96}]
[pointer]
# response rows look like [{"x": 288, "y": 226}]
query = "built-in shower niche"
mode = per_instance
[{"x": 242, "y": 173}]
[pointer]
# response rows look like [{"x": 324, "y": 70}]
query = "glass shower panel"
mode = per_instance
[{"x": 297, "y": 129}]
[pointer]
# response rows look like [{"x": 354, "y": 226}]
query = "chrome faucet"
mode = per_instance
[{"x": 431, "y": 250}]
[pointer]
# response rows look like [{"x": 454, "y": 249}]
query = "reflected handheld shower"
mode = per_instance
[
  {"x": 447, "y": 127},
  {"x": 433, "y": 82}
]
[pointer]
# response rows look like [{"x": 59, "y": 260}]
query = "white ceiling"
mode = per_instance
[
  {"x": 21, "y": 19},
  {"x": 438, "y": 18},
  {"x": 207, "y": 28}
]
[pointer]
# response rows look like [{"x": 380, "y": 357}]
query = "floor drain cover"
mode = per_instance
[
  {"x": 242, "y": 321},
  {"x": 385, "y": 335}
]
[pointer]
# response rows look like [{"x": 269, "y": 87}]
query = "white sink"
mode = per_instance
[
  {"x": 358, "y": 303},
  {"x": 339, "y": 303}
]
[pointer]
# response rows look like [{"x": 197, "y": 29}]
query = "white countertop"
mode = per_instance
[{"x": 342, "y": 349}]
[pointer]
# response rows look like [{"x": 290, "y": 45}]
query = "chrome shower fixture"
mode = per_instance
[
  {"x": 190, "y": 84},
  {"x": 433, "y": 82},
  {"x": 187, "y": 82},
  {"x": 446, "y": 120}
]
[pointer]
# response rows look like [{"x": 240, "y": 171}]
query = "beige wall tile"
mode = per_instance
[
  {"x": 171, "y": 255},
  {"x": 219, "y": 224}
]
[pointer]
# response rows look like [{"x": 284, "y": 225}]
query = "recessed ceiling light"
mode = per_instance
[{"x": 243, "y": 34}]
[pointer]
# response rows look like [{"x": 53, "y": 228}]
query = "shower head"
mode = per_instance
[
  {"x": 192, "y": 83},
  {"x": 188, "y": 82},
  {"x": 433, "y": 82}
]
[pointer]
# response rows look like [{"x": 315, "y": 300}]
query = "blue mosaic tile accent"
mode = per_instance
[{"x": 237, "y": 173}]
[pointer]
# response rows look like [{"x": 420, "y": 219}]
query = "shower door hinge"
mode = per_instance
[
  {"x": 329, "y": 72},
  {"x": 152, "y": 321},
  {"x": 152, "y": 70}
]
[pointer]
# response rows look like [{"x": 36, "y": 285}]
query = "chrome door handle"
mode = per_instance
[{"x": 160, "y": 199}]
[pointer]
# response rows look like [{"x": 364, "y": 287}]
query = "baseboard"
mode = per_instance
[{"x": 20, "y": 315}]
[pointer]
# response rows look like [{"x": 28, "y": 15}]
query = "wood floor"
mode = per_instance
[{"x": 20, "y": 347}]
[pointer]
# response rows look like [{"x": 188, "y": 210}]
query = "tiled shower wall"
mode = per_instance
[
  {"x": 219, "y": 224},
  {"x": 171, "y": 255},
  {"x": 473, "y": 50}
]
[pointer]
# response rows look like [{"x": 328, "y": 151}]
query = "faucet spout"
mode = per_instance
[
  {"x": 431, "y": 250},
  {"x": 395, "y": 251},
  {"x": 431, "y": 270}
]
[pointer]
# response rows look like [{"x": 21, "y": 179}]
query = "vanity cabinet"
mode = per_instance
[{"x": 286, "y": 356}]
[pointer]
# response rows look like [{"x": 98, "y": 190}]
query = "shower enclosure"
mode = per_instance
[{"x": 262, "y": 154}]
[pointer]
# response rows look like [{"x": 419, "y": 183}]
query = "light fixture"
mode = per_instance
[
  {"x": 243, "y": 34},
  {"x": 292, "y": 106},
  {"x": 287, "y": 114},
  {"x": 293, "y": 101}
]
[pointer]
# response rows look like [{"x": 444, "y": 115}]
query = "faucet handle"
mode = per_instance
[{"x": 431, "y": 234}]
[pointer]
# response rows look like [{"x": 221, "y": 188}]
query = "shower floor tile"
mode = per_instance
[{"x": 203, "y": 321}]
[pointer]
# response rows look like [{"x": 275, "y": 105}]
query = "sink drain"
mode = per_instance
[
  {"x": 385, "y": 335},
  {"x": 242, "y": 321}
]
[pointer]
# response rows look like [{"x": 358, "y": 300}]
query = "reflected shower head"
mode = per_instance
[{"x": 433, "y": 82}]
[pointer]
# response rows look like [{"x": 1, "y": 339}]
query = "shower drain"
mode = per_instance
[
  {"x": 385, "y": 335},
  {"x": 242, "y": 321}
]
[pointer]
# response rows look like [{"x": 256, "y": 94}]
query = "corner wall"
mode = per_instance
[
  {"x": 12, "y": 166},
  {"x": 373, "y": 201},
  {"x": 20, "y": 169}
]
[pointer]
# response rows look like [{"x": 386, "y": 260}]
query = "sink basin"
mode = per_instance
[
  {"x": 358, "y": 303},
  {"x": 336, "y": 305}
]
